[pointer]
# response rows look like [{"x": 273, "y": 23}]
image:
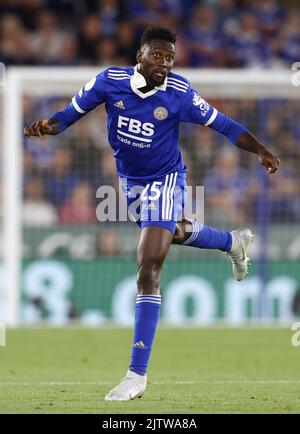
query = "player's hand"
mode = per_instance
[
  {"x": 39, "y": 129},
  {"x": 269, "y": 160}
]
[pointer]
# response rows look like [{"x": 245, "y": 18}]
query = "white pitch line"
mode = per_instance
[
  {"x": 156, "y": 383},
  {"x": 54, "y": 383}
]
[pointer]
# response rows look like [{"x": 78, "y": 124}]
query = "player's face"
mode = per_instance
[{"x": 156, "y": 60}]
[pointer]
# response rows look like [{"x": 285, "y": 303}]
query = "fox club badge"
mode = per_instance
[{"x": 160, "y": 113}]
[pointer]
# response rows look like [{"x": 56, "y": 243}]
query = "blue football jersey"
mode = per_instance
[{"x": 143, "y": 128}]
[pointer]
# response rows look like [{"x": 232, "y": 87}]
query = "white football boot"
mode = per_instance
[
  {"x": 241, "y": 239},
  {"x": 132, "y": 386}
]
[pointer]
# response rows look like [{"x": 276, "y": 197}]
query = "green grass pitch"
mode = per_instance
[{"x": 205, "y": 370}]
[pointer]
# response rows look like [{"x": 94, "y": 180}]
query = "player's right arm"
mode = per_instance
[
  {"x": 88, "y": 98},
  {"x": 42, "y": 128}
]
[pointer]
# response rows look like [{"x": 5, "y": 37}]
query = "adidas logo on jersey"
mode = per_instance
[
  {"x": 119, "y": 104},
  {"x": 150, "y": 206}
]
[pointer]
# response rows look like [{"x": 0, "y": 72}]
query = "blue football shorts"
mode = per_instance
[{"x": 159, "y": 202}]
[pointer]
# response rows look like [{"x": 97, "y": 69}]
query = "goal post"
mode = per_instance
[
  {"x": 64, "y": 83},
  {"x": 12, "y": 200}
]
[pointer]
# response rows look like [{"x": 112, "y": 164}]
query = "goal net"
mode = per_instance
[{"x": 62, "y": 264}]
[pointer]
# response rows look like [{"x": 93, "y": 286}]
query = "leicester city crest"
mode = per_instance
[{"x": 160, "y": 113}]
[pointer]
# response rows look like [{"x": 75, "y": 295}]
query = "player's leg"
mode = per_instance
[
  {"x": 235, "y": 243},
  {"x": 152, "y": 250},
  {"x": 190, "y": 232}
]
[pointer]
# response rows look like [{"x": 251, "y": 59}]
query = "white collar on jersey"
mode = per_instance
[{"x": 138, "y": 80}]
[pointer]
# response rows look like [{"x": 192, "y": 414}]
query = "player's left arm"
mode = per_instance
[
  {"x": 242, "y": 138},
  {"x": 248, "y": 142},
  {"x": 195, "y": 109}
]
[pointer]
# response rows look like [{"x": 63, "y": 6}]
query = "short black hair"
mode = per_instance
[{"x": 158, "y": 33}]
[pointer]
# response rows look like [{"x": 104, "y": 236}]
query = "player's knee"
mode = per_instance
[
  {"x": 147, "y": 281},
  {"x": 178, "y": 235},
  {"x": 150, "y": 266},
  {"x": 181, "y": 232},
  {"x": 149, "y": 274}
]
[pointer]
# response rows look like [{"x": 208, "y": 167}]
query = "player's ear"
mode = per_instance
[{"x": 138, "y": 56}]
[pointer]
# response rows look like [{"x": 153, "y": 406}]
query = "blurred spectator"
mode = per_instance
[
  {"x": 127, "y": 45},
  {"x": 48, "y": 38},
  {"x": 144, "y": 13},
  {"x": 68, "y": 53},
  {"x": 28, "y": 10},
  {"x": 25, "y": 10},
  {"x": 80, "y": 208},
  {"x": 106, "y": 172},
  {"x": 61, "y": 181},
  {"x": 282, "y": 202},
  {"x": 204, "y": 38},
  {"x": 69, "y": 10},
  {"x": 37, "y": 211},
  {"x": 274, "y": 124},
  {"x": 89, "y": 36},
  {"x": 259, "y": 33},
  {"x": 247, "y": 48},
  {"x": 41, "y": 152},
  {"x": 108, "y": 243},
  {"x": 108, "y": 12},
  {"x": 226, "y": 188},
  {"x": 85, "y": 150},
  {"x": 182, "y": 51},
  {"x": 288, "y": 147},
  {"x": 270, "y": 15},
  {"x": 181, "y": 9},
  {"x": 228, "y": 17},
  {"x": 167, "y": 20},
  {"x": 98, "y": 128},
  {"x": 292, "y": 113},
  {"x": 289, "y": 41},
  {"x": 14, "y": 42},
  {"x": 204, "y": 142},
  {"x": 28, "y": 165},
  {"x": 106, "y": 52}
]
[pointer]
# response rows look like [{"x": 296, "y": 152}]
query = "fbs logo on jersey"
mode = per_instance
[
  {"x": 135, "y": 126},
  {"x": 119, "y": 104}
]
